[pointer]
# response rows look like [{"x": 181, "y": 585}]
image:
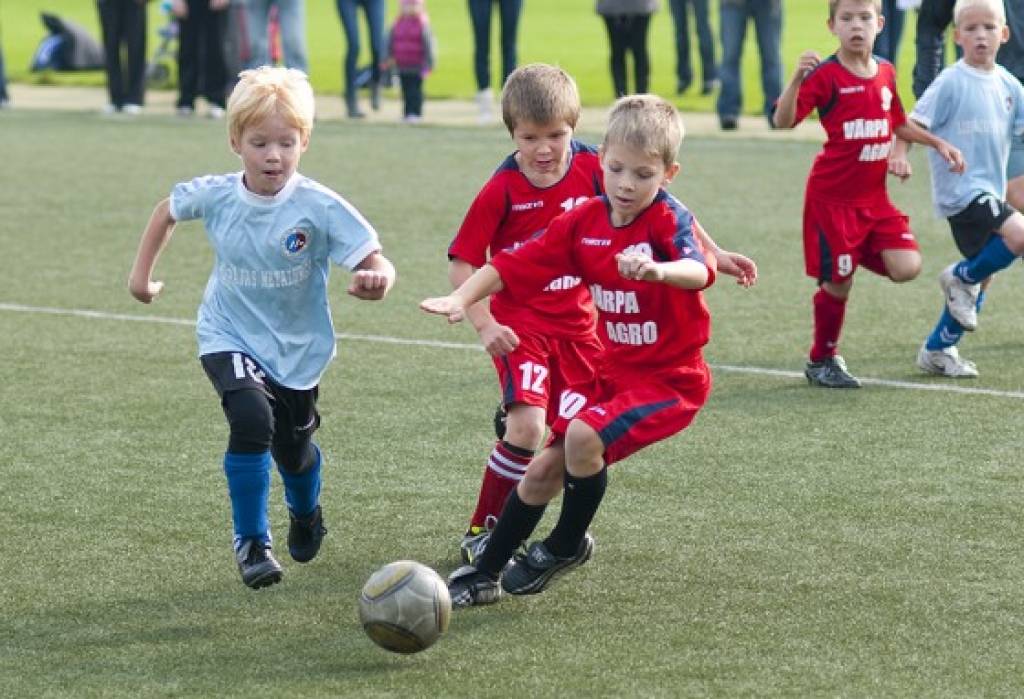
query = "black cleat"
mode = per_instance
[
  {"x": 257, "y": 564},
  {"x": 305, "y": 535},
  {"x": 830, "y": 373},
  {"x": 469, "y": 587},
  {"x": 531, "y": 572}
]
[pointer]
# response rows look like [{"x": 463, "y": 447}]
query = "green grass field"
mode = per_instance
[
  {"x": 792, "y": 542},
  {"x": 567, "y": 32}
]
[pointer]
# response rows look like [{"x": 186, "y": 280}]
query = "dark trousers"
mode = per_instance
[
  {"x": 628, "y": 33},
  {"x": 124, "y": 45},
  {"x": 933, "y": 19},
  {"x": 887, "y": 43},
  {"x": 412, "y": 94},
  {"x": 480, "y": 16},
  {"x": 705, "y": 41},
  {"x": 375, "y": 14},
  {"x": 201, "y": 55}
]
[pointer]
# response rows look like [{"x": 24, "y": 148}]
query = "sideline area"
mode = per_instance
[{"x": 330, "y": 107}]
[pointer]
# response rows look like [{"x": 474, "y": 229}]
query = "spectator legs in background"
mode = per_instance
[
  {"x": 374, "y": 10},
  {"x": 480, "y": 18},
  {"x": 768, "y": 27},
  {"x": 684, "y": 71},
  {"x": 257, "y": 14},
  {"x": 617, "y": 41},
  {"x": 123, "y": 25},
  {"x": 887, "y": 43},
  {"x": 291, "y": 15},
  {"x": 412, "y": 97},
  {"x": 201, "y": 58},
  {"x": 732, "y": 27},
  {"x": 932, "y": 20},
  {"x": 510, "y": 11},
  {"x": 706, "y": 45},
  {"x": 637, "y": 38},
  {"x": 5, "y": 99}
]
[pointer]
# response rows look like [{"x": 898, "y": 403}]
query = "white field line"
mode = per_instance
[{"x": 384, "y": 339}]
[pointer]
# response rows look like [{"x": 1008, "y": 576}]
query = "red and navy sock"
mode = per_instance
[
  {"x": 829, "y": 313},
  {"x": 506, "y": 466}
]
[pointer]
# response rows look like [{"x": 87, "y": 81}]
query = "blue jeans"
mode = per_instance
[
  {"x": 887, "y": 43},
  {"x": 291, "y": 18},
  {"x": 933, "y": 19},
  {"x": 3, "y": 79},
  {"x": 374, "y": 10},
  {"x": 705, "y": 41},
  {"x": 767, "y": 17},
  {"x": 480, "y": 16}
]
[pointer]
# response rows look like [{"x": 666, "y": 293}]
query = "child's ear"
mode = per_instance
[
  {"x": 305, "y": 142},
  {"x": 235, "y": 147},
  {"x": 670, "y": 173}
]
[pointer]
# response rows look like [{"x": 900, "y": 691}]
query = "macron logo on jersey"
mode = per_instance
[
  {"x": 528, "y": 205},
  {"x": 596, "y": 242}
]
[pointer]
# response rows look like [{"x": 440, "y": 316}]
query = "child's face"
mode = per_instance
[
  {"x": 980, "y": 33},
  {"x": 856, "y": 24},
  {"x": 543, "y": 150},
  {"x": 632, "y": 178},
  {"x": 270, "y": 152},
  {"x": 411, "y": 7}
]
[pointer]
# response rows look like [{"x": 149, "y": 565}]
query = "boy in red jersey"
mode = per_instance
[
  {"x": 645, "y": 259},
  {"x": 849, "y": 220},
  {"x": 540, "y": 346}
]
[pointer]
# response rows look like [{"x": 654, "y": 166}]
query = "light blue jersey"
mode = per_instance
[
  {"x": 267, "y": 293},
  {"x": 978, "y": 112}
]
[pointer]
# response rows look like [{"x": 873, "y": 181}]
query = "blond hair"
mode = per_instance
[
  {"x": 994, "y": 6},
  {"x": 541, "y": 94},
  {"x": 833, "y": 4},
  {"x": 648, "y": 123},
  {"x": 266, "y": 91}
]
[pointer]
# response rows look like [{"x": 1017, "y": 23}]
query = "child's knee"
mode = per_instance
[
  {"x": 1013, "y": 233},
  {"x": 524, "y": 426},
  {"x": 251, "y": 420},
  {"x": 584, "y": 450},
  {"x": 904, "y": 266}
]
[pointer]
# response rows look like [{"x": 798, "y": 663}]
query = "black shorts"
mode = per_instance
[
  {"x": 295, "y": 414},
  {"x": 973, "y": 226}
]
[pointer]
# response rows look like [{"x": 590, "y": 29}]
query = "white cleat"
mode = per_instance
[
  {"x": 961, "y": 298},
  {"x": 946, "y": 362}
]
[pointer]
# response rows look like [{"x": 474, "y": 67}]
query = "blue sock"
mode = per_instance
[
  {"x": 948, "y": 331},
  {"x": 249, "y": 488},
  {"x": 992, "y": 258},
  {"x": 302, "y": 490}
]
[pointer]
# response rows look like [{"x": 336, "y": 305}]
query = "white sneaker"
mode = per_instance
[
  {"x": 215, "y": 112},
  {"x": 109, "y": 109},
  {"x": 946, "y": 362},
  {"x": 961, "y": 298},
  {"x": 185, "y": 111},
  {"x": 132, "y": 109},
  {"x": 485, "y": 102}
]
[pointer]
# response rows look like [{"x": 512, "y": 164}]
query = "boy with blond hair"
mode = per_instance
[
  {"x": 978, "y": 106},
  {"x": 849, "y": 220},
  {"x": 264, "y": 327},
  {"x": 645, "y": 260}
]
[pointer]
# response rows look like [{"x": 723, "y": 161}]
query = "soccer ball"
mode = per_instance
[{"x": 405, "y": 607}]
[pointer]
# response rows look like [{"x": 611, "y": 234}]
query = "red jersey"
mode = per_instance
[
  {"x": 509, "y": 211},
  {"x": 645, "y": 327},
  {"x": 859, "y": 116}
]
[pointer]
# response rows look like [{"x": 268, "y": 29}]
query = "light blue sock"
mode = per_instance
[
  {"x": 302, "y": 490},
  {"x": 948, "y": 331},
  {"x": 249, "y": 488},
  {"x": 993, "y": 257}
]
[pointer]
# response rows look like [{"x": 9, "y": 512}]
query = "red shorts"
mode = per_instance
[
  {"x": 632, "y": 412},
  {"x": 541, "y": 367},
  {"x": 838, "y": 238}
]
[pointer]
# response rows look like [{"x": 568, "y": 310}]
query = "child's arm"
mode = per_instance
[
  {"x": 911, "y": 132},
  {"x": 685, "y": 273},
  {"x": 154, "y": 240},
  {"x": 481, "y": 284},
  {"x": 496, "y": 338},
  {"x": 731, "y": 263},
  {"x": 899, "y": 164},
  {"x": 785, "y": 108},
  {"x": 373, "y": 278}
]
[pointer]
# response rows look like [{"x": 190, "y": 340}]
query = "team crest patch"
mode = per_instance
[{"x": 294, "y": 242}]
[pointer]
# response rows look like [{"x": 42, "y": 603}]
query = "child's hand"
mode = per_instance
[
  {"x": 450, "y": 306},
  {"x": 638, "y": 266},
  {"x": 900, "y": 167},
  {"x": 368, "y": 285},
  {"x": 739, "y": 266},
  {"x": 807, "y": 62},
  {"x": 498, "y": 339},
  {"x": 952, "y": 155},
  {"x": 145, "y": 291}
]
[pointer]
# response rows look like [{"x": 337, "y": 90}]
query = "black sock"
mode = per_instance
[
  {"x": 517, "y": 521},
  {"x": 580, "y": 500}
]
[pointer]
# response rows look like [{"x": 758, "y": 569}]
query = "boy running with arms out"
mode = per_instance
[
  {"x": 978, "y": 106},
  {"x": 848, "y": 219},
  {"x": 645, "y": 259},
  {"x": 541, "y": 345},
  {"x": 264, "y": 327}
]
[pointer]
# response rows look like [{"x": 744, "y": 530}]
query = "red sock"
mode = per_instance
[
  {"x": 829, "y": 312},
  {"x": 505, "y": 468}
]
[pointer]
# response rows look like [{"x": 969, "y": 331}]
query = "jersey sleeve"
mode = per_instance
[
  {"x": 529, "y": 268},
  {"x": 933, "y": 109},
  {"x": 189, "y": 199},
  {"x": 1018, "y": 117},
  {"x": 351, "y": 238},
  {"x": 480, "y": 225},
  {"x": 675, "y": 238},
  {"x": 815, "y": 93}
]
